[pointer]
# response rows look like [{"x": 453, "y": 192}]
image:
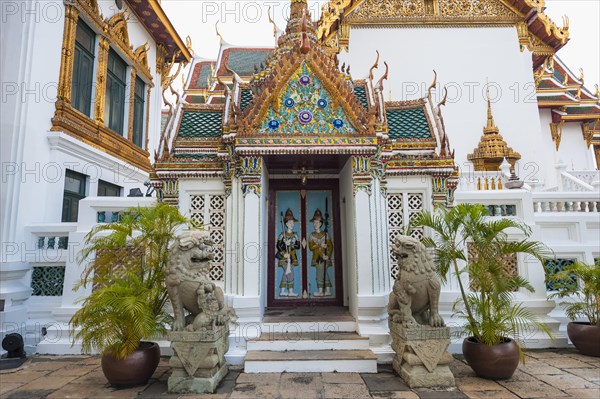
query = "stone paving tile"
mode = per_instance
[
  {"x": 6, "y": 387},
  {"x": 459, "y": 368},
  {"x": 75, "y": 391},
  {"x": 544, "y": 354},
  {"x": 495, "y": 394},
  {"x": 395, "y": 395},
  {"x": 537, "y": 368},
  {"x": 113, "y": 393},
  {"x": 49, "y": 365},
  {"x": 342, "y": 378},
  {"x": 94, "y": 377},
  {"x": 22, "y": 376},
  {"x": 48, "y": 382},
  {"x": 198, "y": 396},
  {"x": 258, "y": 379},
  {"x": 157, "y": 389},
  {"x": 28, "y": 394},
  {"x": 446, "y": 394},
  {"x": 566, "y": 362},
  {"x": 304, "y": 394},
  {"x": 467, "y": 384},
  {"x": 298, "y": 382},
  {"x": 384, "y": 382},
  {"x": 252, "y": 391},
  {"x": 532, "y": 389},
  {"x": 584, "y": 393},
  {"x": 225, "y": 387},
  {"x": 591, "y": 374},
  {"x": 342, "y": 391},
  {"x": 565, "y": 381},
  {"x": 72, "y": 370}
]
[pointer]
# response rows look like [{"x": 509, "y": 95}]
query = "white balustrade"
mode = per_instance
[{"x": 586, "y": 202}]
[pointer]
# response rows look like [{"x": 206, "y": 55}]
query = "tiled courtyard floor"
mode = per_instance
[{"x": 546, "y": 374}]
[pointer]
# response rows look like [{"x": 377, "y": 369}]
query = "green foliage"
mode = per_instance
[
  {"x": 127, "y": 275},
  {"x": 488, "y": 309},
  {"x": 584, "y": 301}
]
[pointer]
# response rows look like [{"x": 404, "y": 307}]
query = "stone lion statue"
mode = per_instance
[
  {"x": 189, "y": 286},
  {"x": 416, "y": 292}
]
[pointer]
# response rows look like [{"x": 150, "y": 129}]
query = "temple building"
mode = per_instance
[{"x": 305, "y": 160}]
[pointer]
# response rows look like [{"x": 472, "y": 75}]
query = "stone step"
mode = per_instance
[
  {"x": 311, "y": 361},
  {"x": 299, "y": 341},
  {"x": 304, "y": 324}
]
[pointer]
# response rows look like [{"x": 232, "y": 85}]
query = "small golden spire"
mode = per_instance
[{"x": 491, "y": 126}]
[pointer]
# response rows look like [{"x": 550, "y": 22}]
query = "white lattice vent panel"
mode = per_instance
[
  {"x": 207, "y": 211},
  {"x": 402, "y": 209}
]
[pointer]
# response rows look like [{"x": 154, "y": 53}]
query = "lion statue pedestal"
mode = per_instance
[
  {"x": 419, "y": 336},
  {"x": 200, "y": 339}
]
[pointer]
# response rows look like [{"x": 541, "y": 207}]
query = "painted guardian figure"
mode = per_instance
[
  {"x": 321, "y": 247},
  {"x": 288, "y": 244}
]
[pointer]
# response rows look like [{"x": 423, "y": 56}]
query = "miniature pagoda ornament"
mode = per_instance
[
  {"x": 200, "y": 339},
  {"x": 419, "y": 335},
  {"x": 492, "y": 149}
]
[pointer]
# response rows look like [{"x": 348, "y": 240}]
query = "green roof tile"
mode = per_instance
[
  {"x": 361, "y": 93},
  {"x": 408, "y": 123},
  {"x": 205, "y": 73},
  {"x": 200, "y": 124},
  {"x": 243, "y": 61},
  {"x": 245, "y": 99}
]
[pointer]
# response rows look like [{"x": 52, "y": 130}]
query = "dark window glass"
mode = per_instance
[
  {"x": 74, "y": 191},
  {"x": 115, "y": 92},
  {"x": 83, "y": 68},
  {"x": 106, "y": 189},
  {"x": 138, "y": 113}
]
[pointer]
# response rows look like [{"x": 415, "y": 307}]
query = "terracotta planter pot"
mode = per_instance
[
  {"x": 497, "y": 362},
  {"x": 585, "y": 337},
  {"x": 135, "y": 369}
]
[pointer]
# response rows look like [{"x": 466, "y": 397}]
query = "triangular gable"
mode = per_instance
[{"x": 304, "y": 106}]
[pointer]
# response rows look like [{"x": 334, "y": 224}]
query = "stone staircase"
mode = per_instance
[{"x": 309, "y": 341}]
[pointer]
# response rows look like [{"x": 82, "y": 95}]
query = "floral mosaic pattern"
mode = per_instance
[{"x": 305, "y": 107}]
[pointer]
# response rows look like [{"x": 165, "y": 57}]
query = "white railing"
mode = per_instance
[
  {"x": 591, "y": 177},
  {"x": 572, "y": 183},
  {"x": 586, "y": 202},
  {"x": 50, "y": 241},
  {"x": 482, "y": 181}
]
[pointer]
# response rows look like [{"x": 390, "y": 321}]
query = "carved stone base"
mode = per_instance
[
  {"x": 198, "y": 361},
  {"x": 421, "y": 357}
]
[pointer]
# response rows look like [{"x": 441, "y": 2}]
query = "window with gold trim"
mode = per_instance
[{"x": 114, "y": 117}]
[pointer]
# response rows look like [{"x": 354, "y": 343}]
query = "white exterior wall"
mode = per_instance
[
  {"x": 464, "y": 58},
  {"x": 34, "y": 159}
]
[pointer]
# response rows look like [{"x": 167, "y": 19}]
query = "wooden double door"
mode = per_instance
[{"x": 304, "y": 242}]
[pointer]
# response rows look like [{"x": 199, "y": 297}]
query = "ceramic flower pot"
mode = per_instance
[
  {"x": 135, "y": 369},
  {"x": 585, "y": 337},
  {"x": 496, "y": 362}
]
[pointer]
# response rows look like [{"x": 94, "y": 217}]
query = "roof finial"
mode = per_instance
[
  {"x": 375, "y": 66},
  {"x": 273, "y": 23},
  {"x": 218, "y": 34},
  {"x": 490, "y": 127}
]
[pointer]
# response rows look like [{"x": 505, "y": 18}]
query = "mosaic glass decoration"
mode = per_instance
[
  {"x": 304, "y": 80},
  {"x": 47, "y": 280},
  {"x": 273, "y": 124},
  {"x": 305, "y": 107},
  {"x": 554, "y": 266},
  {"x": 305, "y": 117}
]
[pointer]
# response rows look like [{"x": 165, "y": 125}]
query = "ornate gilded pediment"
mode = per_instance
[
  {"x": 474, "y": 11},
  {"x": 304, "y": 106}
]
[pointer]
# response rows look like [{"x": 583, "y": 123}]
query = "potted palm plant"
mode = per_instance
[
  {"x": 579, "y": 285},
  {"x": 494, "y": 323},
  {"x": 127, "y": 303}
]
